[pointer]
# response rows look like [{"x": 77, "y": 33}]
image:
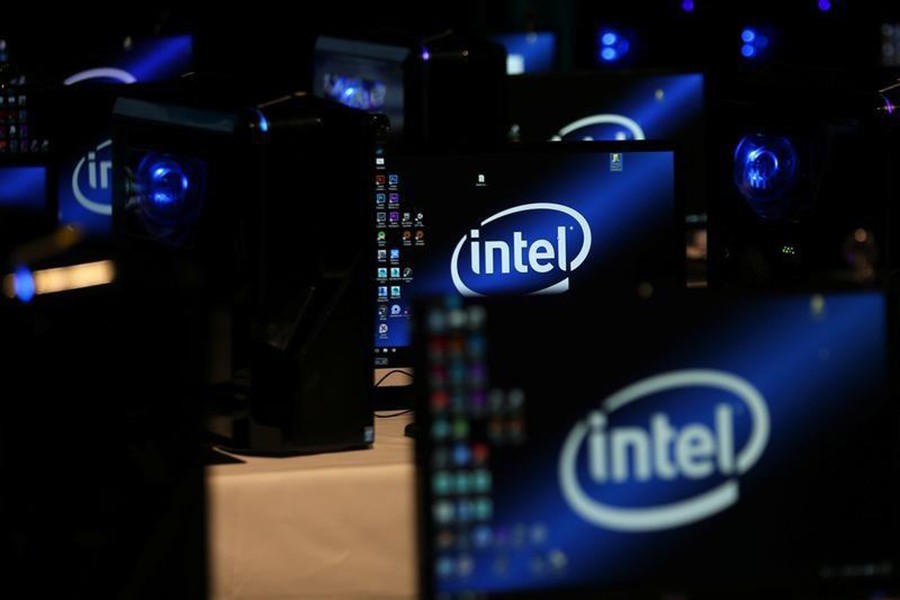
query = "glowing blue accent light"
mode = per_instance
[
  {"x": 159, "y": 58},
  {"x": 168, "y": 184},
  {"x": 348, "y": 93},
  {"x": 764, "y": 172},
  {"x": 753, "y": 42},
  {"x": 263, "y": 122},
  {"x": 426, "y": 55},
  {"x": 23, "y": 284},
  {"x": 611, "y": 46},
  {"x": 688, "y": 6},
  {"x": 763, "y": 167},
  {"x": 824, "y": 5}
]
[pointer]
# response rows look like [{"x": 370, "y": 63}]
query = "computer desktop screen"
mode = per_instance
[
  {"x": 528, "y": 51},
  {"x": 616, "y": 105},
  {"x": 702, "y": 447},
  {"x": 363, "y": 75},
  {"x": 549, "y": 219}
]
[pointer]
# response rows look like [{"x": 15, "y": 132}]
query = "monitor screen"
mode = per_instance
[
  {"x": 528, "y": 52},
  {"x": 619, "y": 105},
  {"x": 23, "y": 188},
  {"x": 699, "y": 448},
  {"x": 361, "y": 75},
  {"x": 548, "y": 219}
]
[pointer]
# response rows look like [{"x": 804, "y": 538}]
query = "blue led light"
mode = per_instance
[
  {"x": 764, "y": 172},
  {"x": 23, "y": 284},
  {"x": 611, "y": 45},
  {"x": 263, "y": 122},
  {"x": 687, "y": 5},
  {"x": 753, "y": 42},
  {"x": 168, "y": 183},
  {"x": 824, "y": 5},
  {"x": 168, "y": 195}
]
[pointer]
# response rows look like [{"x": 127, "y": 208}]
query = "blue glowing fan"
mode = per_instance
[
  {"x": 167, "y": 194},
  {"x": 765, "y": 170}
]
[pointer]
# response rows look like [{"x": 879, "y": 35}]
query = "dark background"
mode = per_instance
[{"x": 265, "y": 42}]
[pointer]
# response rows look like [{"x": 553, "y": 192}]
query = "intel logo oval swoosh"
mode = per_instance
[
  {"x": 526, "y": 249},
  {"x": 91, "y": 180},
  {"x": 601, "y": 127},
  {"x": 662, "y": 453}
]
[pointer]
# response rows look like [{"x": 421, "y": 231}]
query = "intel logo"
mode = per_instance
[
  {"x": 601, "y": 127},
  {"x": 91, "y": 180},
  {"x": 657, "y": 454},
  {"x": 113, "y": 74},
  {"x": 527, "y": 249}
]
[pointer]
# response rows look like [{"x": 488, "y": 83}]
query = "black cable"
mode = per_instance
[
  {"x": 392, "y": 415},
  {"x": 391, "y": 372}
]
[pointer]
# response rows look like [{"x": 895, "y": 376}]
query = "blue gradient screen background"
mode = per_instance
[
  {"x": 23, "y": 188},
  {"x": 666, "y": 106},
  {"x": 817, "y": 509}
]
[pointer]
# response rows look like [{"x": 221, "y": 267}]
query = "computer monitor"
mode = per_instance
[
  {"x": 697, "y": 447},
  {"x": 616, "y": 105},
  {"x": 360, "y": 74},
  {"x": 528, "y": 51},
  {"x": 524, "y": 220}
]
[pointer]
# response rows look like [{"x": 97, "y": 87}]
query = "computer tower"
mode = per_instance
[{"x": 231, "y": 182}]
